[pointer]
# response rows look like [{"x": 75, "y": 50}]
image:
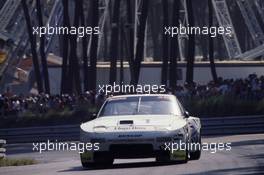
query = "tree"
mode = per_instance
[
  {"x": 74, "y": 74},
  {"x": 94, "y": 46},
  {"x": 211, "y": 43},
  {"x": 114, "y": 42},
  {"x": 165, "y": 44},
  {"x": 174, "y": 47},
  {"x": 141, "y": 38},
  {"x": 42, "y": 51},
  {"x": 130, "y": 42},
  {"x": 64, "y": 70},
  {"x": 84, "y": 51},
  {"x": 191, "y": 44},
  {"x": 156, "y": 26},
  {"x": 121, "y": 52},
  {"x": 32, "y": 40}
]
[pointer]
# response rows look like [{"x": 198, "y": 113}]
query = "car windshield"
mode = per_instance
[{"x": 142, "y": 105}]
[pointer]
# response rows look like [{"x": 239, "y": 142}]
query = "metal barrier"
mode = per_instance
[
  {"x": 233, "y": 125},
  {"x": 2, "y": 149},
  {"x": 210, "y": 126}
]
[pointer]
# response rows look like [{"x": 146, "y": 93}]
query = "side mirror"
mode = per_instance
[
  {"x": 186, "y": 114},
  {"x": 93, "y": 116}
]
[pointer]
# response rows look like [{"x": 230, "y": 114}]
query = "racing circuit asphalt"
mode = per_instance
[{"x": 246, "y": 157}]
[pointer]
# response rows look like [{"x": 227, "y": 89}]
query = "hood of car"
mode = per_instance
[{"x": 134, "y": 123}]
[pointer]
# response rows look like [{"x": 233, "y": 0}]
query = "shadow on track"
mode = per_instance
[{"x": 123, "y": 165}]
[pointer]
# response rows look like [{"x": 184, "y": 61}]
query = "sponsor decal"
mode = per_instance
[{"x": 124, "y": 128}]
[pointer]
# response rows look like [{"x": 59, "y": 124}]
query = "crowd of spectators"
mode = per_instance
[
  {"x": 251, "y": 88},
  {"x": 15, "y": 104}
]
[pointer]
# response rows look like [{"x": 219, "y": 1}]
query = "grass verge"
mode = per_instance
[{"x": 16, "y": 162}]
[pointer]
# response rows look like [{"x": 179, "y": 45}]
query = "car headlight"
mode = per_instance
[{"x": 99, "y": 129}]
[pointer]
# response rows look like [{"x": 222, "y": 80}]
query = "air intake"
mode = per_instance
[{"x": 126, "y": 122}]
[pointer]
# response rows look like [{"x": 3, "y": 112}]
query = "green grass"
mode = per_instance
[{"x": 16, "y": 162}]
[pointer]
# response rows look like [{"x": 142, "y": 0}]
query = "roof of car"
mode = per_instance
[{"x": 138, "y": 95}]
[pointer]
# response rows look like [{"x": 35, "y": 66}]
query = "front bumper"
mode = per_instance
[
  {"x": 142, "y": 145},
  {"x": 97, "y": 156}
]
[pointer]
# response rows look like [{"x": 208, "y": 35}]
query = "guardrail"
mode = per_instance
[
  {"x": 233, "y": 125},
  {"x": 2, "y": 149},
  {"x": 210, "y": 126}
]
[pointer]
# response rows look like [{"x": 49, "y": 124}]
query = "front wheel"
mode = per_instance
[
  {"x": 187, "y": 155},
  {"x": 197, "y": 154},
  {"x": 181, "y": 157}
]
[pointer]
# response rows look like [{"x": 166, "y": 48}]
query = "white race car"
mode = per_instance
[{"x": 141, "y": 126}]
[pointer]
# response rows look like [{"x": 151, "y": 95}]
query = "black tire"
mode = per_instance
[
  {"x": 166, "y": 158},
  {"x": 186, "y": 157},
  {"x": 197, "y": 154}
]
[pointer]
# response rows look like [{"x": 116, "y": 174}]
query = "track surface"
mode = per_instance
[{"x": 246, "y": 157}]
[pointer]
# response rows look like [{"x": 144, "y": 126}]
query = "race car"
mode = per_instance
[{"x": 141, "y": 126}]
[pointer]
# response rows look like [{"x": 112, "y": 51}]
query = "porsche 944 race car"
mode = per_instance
[{"x": 141, "y": 126}]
